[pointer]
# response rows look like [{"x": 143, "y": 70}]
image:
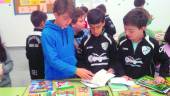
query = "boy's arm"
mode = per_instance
[
  {"x": 114, "y": 63},
  {"x": 50, "y": 53},
  {"x": 8, "y": 66},
  {"x": 161, "y": 57},
  {"x": 27, "y": 49}
]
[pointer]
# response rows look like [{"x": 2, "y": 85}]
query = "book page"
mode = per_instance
[{"x": 99, "y": 79}]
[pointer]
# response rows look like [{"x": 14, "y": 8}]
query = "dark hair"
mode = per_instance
[
  {"x": 136, "y": 17},
  {"x": 37, "y": 17},
  {"x": 63, "y": 6},
  {"x": 3, "y": 55},
  {"x": 77, "y": 13},
  {"x": 102, "y": 8},
  {"x": 95, "y": 16},
  {"x": 167, "y": 36},
  {"x": 139, "y": 3},
  {"x": 84, "y": 8}
]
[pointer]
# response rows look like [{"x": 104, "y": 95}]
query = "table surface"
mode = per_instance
[{"x": 13, "y": 91}]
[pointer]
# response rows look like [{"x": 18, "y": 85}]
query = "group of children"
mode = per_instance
[{"x": 70, "y": 50}]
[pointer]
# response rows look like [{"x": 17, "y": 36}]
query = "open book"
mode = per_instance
[
  {"x": 100, "y": 79},
  {"x": 149, "y": 82}
]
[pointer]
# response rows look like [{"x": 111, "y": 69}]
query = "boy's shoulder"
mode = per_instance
[
  {"x": 147, "y": 38},
  {"x": 121, "y": 40},
  {"x": 151, "y": 40},
  {"x": 33, "y": 38},
  {"x": 109, "y": 37},
  {"x": 86, "y": 39}
]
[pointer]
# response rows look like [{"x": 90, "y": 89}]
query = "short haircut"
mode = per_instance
[
  {"x": 37, "y": 17},
  {"x": 95, "y": 16},
  {"x": 102, "y": 8},
  {"x": 136, "y": 17},
  {"x": 167, "y": 36},
  {"x": 84, "y": 8},
  {"x": 139, "y": 3},
  {"x": 64, "y": 6},
  {"x": 77, "y": 13}
]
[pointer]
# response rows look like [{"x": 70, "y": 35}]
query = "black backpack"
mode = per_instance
[
  {"x": 109, "y": 26},
  {"x": 34, "y": 55}
]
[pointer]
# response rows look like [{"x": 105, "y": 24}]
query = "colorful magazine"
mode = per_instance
[
  {"x": 118, "y": 87},
  {"x": 64, "y": 92},
  {"x": 149, "y": 82},
  {"x": 40, "y": 86},
  {"x": 83, "y": 91},
  {"x": 100, "y": 93},
  {"x": 62, "y": 84}
]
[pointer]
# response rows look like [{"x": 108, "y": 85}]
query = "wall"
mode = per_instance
[
  {"x": 14, "y": 28},
  {"x": 118, "y": 8}
]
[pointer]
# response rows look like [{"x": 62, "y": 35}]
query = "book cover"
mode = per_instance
[
  {"x": 135, "y": 90},
  {"x": 40, "y": 86},
  {"x": 100, "y": 93},
  {"x": 121, "y": 80},
  {"x": 64, "y": 92},
  {"x": 99, "y": 79},
  {"x": 83, "y": 91},
  {"x": 149, "y": 82},
  {"x": 118, "y": 87},
  {"x": 62, "y": 84}
]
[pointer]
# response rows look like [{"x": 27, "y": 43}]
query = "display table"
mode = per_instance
[
  {"x": 12, "y": 91},
  {"x": 76, "y": 83}
]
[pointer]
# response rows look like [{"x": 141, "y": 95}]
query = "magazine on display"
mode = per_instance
[
  {"x": 149, "y": 82},
  {"x": 40, "y": 86}
]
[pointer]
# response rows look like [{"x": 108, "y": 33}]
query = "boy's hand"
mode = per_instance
[
  {"x": 159, "y": 79},
  {"x": 84, "y": 74},
  {"x": 127, "y": 77},
  {"x": 110, "y": 70}
]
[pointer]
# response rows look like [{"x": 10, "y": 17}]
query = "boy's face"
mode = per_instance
[
  {"x": 96, "y": 29},
  {"x": 134, "y": 33},
  {"x": 42, "y": 24},
  {"x": 63, "y": 20},
  {"x": 80, "y": 24}
]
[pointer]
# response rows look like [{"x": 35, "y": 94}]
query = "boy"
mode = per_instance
[
  {"x": 140, "y": 4},
  {"x": 33, "y": 46},
  {"x": 138, "y": 52},
  {"x": 78, "y": 25},
  {"x": 58, "y": 47},
  {"x": 98, "y": 49},
  {"x": 109, "y": 26},
  {"x": 85, "y": 9}
]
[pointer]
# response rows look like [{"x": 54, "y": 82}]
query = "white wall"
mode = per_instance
[
  {"x": 15, "y": 28},
  {"x": 118, "y": 8}
]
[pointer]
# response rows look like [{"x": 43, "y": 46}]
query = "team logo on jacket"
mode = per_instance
[
  {"x": 162, "y": 49},
  {"x": 97, "y": 58},
  {"x": 134, "y": 62},
  {"x": 145, "y": 50},
  {"x": 104, "y": 45}
]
